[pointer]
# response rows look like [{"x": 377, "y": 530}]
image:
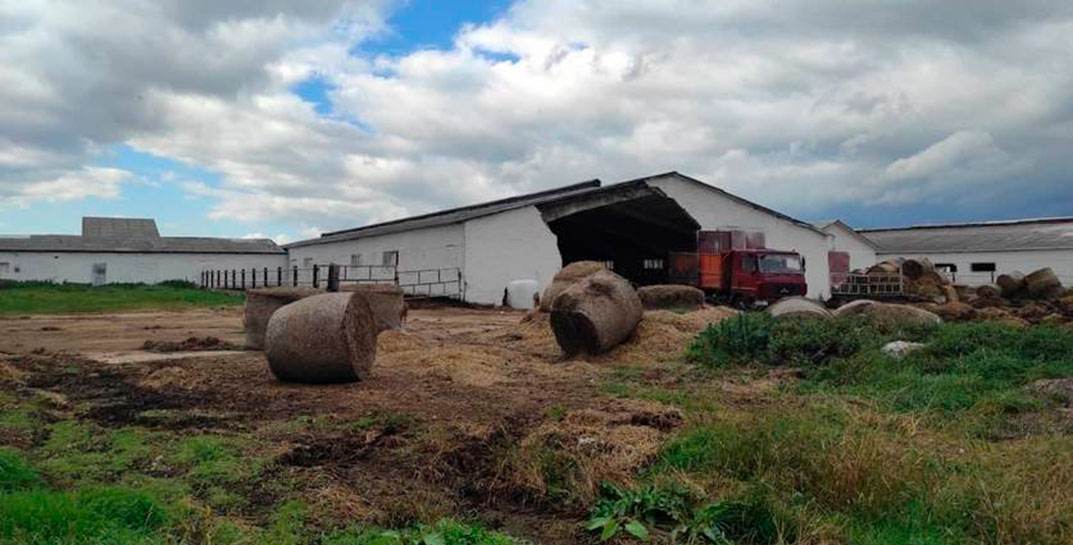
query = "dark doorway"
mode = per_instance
[{"x": 634, "y": 236}]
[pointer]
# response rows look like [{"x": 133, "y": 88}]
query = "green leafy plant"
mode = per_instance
[{"x": 636, "y": 511}]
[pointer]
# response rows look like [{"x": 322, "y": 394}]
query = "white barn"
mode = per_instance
[
  {"x": 976, "y": 253},
  {"x": 632, "y": 224},
  {"x": 128, "y": 250}
]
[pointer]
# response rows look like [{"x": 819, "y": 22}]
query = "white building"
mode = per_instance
[
  {"x": 632, "y": 224},
  {"x": 860, "y": 251},
  {"x": 122, "y": 250},
  {"x": 975, "y": 253}
]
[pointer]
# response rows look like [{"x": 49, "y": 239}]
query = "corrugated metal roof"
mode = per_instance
[
  {"x": 119, "y": 228},
  {"x": 465, "y": 213},
  {"x": 996, "y": 236},
  {"x": 125, "y": 235},
  {"x": 827, "y": 225}
]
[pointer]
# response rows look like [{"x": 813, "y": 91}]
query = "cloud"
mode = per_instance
[
  {"x": 804, "y": 106},
  {"x": 88, "y": 182}
]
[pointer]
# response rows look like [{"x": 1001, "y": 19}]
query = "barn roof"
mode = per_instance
[
  {"x": 466, "y": 213},
  {"x": 130, "y": 235},
  {"x": 993, "y": 236},
  {"x": 827, "y": 225}
]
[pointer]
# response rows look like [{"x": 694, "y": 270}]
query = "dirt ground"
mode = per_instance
[{"x": 461, "y": 400}]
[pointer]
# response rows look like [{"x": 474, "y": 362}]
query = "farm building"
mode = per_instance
[
  {"x": 631, "y": 225},
  {"x": 121, "y": 250},
  {"x": 976, "y": 253},
  {"x": 859, "y": 251}
]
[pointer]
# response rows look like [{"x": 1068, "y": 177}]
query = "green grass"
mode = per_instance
[
  {"x": 444, "y": 532},
  {"x": 46, "y": 298}
]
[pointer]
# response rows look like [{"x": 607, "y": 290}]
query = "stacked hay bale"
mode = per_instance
[
  {"x": 595, "y": 313},
  {"x": 326, "y": 338},
  {"x": 799, "y": 307},
  {"x": 261, "y": 303},
  {"x": 671, "y": 296},
  {"x": 565, "y": 278}
]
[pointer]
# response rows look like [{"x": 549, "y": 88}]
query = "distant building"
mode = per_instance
[
  {"x": 860, "y": 251},
  {"x": 121, "y": 250},
  {"x": 976, "y": 253},
  {"x": 631, "y": 225}
]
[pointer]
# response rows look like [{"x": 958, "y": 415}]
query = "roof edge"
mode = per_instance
[{"x": 994, "y": 223}]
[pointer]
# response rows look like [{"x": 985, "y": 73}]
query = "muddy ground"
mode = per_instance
[{"x": 456, "y": 416}]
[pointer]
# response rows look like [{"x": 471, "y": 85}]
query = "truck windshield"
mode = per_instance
[{"x": 776, "y": 263}]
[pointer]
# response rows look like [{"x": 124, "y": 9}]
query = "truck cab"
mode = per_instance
[{"x": 753, "y": 275}]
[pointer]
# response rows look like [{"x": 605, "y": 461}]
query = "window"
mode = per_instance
[
  {"x": 355, "y": 260},
  {"x": 983, "y": 267},
  {"x": 781, "y": 263},
  {"x": 5, "y": 267},
  {"x": 390, "y": 258},
  {"x": 947, "y": 267},
  {"x": 652, "y": 264},
  {"x": 307, "y": 263}
]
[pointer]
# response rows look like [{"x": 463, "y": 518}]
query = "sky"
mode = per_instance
[{"x": 280, "y": 119}]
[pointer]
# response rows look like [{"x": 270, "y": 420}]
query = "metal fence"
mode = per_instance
[
  {"x": 445, "y": 282},
  {"x": 867, "y": 285}
]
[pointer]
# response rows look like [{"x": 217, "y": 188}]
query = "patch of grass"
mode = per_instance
[
  {"x": 16, "y": 473},
  {"x": 46, "y": 298},
  {"x": 111, "y": 515},
  {"x": 214, "y": 460},
  {"x": 444, "y": 532}
]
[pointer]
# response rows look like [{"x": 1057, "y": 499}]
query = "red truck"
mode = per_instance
[{"x": 739, "y": 269}]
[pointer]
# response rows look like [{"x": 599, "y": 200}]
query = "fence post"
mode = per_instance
[
  {"x": 279, "y": 277},
  {"x": 316, "y": 273},
  {"x": 333, "y": 277},
  {"x": 264, "y": 279},
  {"x": 234, "y": 278},
  {"x": 227, "y": 280},
  {"x": 296, "y": 276},
  {"x": 243, "y": 285}
]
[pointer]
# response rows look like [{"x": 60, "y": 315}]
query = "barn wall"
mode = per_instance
[
  {"x": 431, "y": 248},
  {"x": 513, "y": 245},
  {"x": 1026, "y": 261},
  {"x": 715, "y": 211},
  {"x": 861, "y": 255},
  {"x": 123, "y": 268}
]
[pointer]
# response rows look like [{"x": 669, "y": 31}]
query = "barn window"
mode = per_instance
[
  {"x": 5, "y": 267},
  {"x": 355, "y": 260},
  {"x": 946, "y": 267},
  {"x": 390, "y": 258},
  {"x": 983, "y": 267},
  {"x": 653, "y": 264}
]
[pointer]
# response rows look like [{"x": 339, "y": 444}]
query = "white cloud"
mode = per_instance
[
  {"x": 89, "y": 182},
  {"x": 805, "y": 106}
]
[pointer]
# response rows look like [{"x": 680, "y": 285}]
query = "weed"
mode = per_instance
[{"x": 444, "y": 532}]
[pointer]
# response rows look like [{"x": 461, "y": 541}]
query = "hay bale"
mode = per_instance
[
  {"x": 854, "y": 308},
  {"x": 595, "y": 314},
  {"x": 989, "y": 291},
  {"x": 261, "y": 303},
  {"x": 670, "y": 296},
  {"x": 965, "y": 292},
  {"x": 325, "y": 338},
  {"x": 799, "y": 307},
  {"x": 1011, "y": 284},
  {"x": 890, "y": 266},
  {"x": 565, "y": 278},
  {"x": 988, "y": 302},
  {"x": 893, "y": 314},
  {"x": 955, "y": 311},
  {"x": 915, "y": 268},
  {"x": 993, "y": 314},
  {"x": 387, "y": 303},
  {"x": 1043, "y": 284}
]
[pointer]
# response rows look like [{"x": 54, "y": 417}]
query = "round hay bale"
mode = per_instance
[
  {"x": 965, "y": 292},
  {"x": 989, "y": 291},
  {"x": 854, "y": 308},
  {"x": 893, "y": 314},
  {"x": 889, "y": 266},
  {"x": 325, "y": 338},
  {"x": 261, "y": 303},
  {"x": 799, "y": 307},
  {"x": 670, "y": 296},
  {"x": 1043, "y": 283},
  {"x": 1001, "y": 316},
  {"x": 565, "y": 278},
  {"x": 387, "y": 303},
  {"x": 1011, "y": 284},
  {"x": 915, "y": 268},
  {"x": 595, "y": 314}
]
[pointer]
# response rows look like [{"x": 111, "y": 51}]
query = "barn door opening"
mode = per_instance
[{"x": 634, "y": 236}]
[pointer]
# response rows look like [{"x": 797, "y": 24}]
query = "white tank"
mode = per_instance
[{"x": 521, "y": 293}]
